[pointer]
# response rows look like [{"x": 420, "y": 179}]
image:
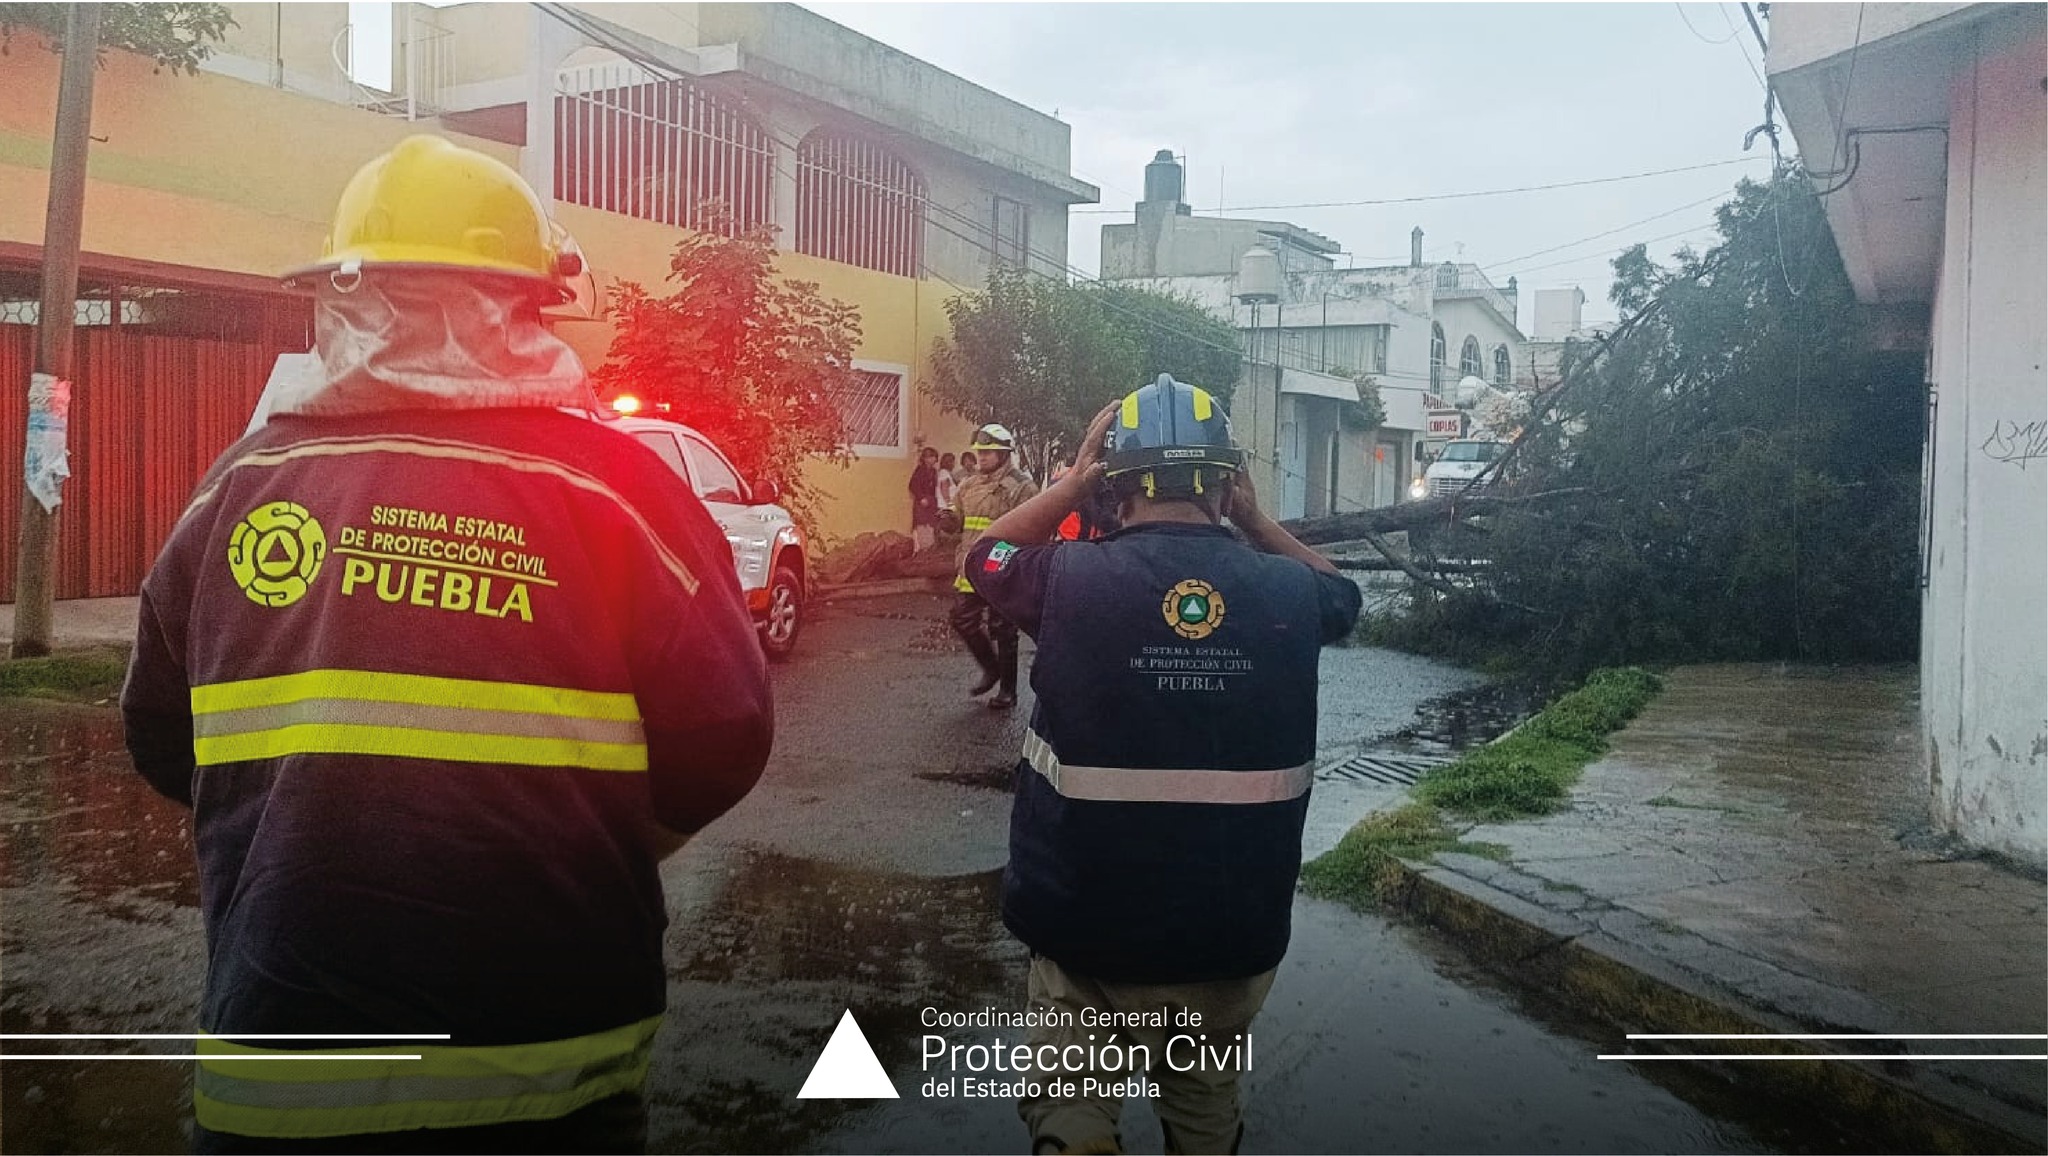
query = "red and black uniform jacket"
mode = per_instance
[{"x": 433, "y": 684}]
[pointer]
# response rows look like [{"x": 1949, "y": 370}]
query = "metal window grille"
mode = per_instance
[
  {"x": 1503, "y": 368},
  {"x": 858, "y": 204},
  {"x": 632, "y": 143},
  {"x": 871, "y": 405},
  {"x": 1437, "y": 352},
  {"x": 1469, "y": 364}
]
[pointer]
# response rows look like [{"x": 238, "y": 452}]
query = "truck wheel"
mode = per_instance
[{"x": 785, "y": 614}]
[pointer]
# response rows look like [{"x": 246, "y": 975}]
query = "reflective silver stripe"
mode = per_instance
[
  {"x": 416, "y": 716},
  {"x": 1163, "y": 785}
]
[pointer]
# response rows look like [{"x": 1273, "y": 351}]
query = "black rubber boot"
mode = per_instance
[
  {"x": 1005, "y": 670},
  {"x": 966, "y": 621}
]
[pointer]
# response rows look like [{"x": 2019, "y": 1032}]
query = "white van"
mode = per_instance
[{"x": 1457, "y": 464}]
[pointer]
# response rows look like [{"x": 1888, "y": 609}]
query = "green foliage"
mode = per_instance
[
  {"x": 1745, "y": 468},
  {"x": 754, "y": 361},
  {"x": 1361, "y": 869},
  {"x": 1369, "y": 411},
  {"x": 1038, "y": 355},
  {"x": 1041, "y": 356},
  {"x": 85, "y": 675},
  {"x": 1531, "y": 771},
  {"x": 175, "y": 36},
  {"x": 1174, "y": 335}
]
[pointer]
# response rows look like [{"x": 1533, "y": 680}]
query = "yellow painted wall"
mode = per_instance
[
  {"x": 216, "y": 173},
  {"x": 194, "y": 170}
]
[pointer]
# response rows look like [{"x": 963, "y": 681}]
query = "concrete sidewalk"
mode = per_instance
[
  {"x": 82, "y": 622},
  {"x": 1752, "y": 857}
]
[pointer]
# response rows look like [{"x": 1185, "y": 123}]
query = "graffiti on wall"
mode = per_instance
[{"x": 2010, "y": 441}]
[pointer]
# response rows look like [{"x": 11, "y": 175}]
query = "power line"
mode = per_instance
[
  {"x": 1735, "y": 34},
  {"x": 1501, "y": 265},
  {"x": 1623, "y": 249},
  {"x": 1463, "y": 195},
  {"x": 1702, "y": 37},
  {"x": 985, "y": 245}
]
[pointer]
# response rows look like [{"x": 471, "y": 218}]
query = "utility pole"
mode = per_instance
[{"x": 49, "y": 391}]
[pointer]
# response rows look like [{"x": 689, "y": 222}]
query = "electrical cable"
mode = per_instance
[
  {"x": 1503, "y": 265},
  {"x": 1612, "y": 252},
  {"x": 577, "y": 21},
  {"x": 574, "y": 19},
  {"x": 1735, "y": 35},
  {"x": 1464, "y": 195},
  {"x": 1836, "y": 143},
  {"x": 1697, "y": 33}
]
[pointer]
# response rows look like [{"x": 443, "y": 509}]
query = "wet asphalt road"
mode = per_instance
[{"x": 863, "y": 873}]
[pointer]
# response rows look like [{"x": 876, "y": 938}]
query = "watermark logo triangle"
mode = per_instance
[{"x": 847, "y": 1069}]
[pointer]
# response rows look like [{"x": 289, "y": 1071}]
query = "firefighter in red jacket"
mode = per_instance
[{"x": 444, "y": 672}]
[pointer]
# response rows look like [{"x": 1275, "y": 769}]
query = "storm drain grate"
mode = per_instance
[{"x": 1385, "y": 769}]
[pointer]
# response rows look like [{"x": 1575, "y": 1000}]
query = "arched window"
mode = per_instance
[
  {"x": 630, "y": 142},
  {"x": 1437, "y": 352},
  {"x": 1469, "y": 364},
  {"x": 1503, "y": 366},
  {"x": 859, "y": 204}
]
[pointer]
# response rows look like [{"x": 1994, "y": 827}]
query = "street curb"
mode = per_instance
[
  {"x": 880, "y": 588},
  {"x": 1568, "y": 958}
]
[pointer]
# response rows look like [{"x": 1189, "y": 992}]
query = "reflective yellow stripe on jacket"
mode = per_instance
[
  {"x": 366, "y": 712},
  {"x": 971, "y": 522},
  {"x": 252, "y": 1092}
]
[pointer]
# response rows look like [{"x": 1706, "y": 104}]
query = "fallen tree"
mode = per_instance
[
  {"x": 1362, "y": 525},
  {"x": 1732, "y": 474}
]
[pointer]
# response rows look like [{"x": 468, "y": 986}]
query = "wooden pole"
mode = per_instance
[{"x": 63, "y": 223}]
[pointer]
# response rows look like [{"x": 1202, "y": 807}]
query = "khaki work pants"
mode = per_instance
[{"x": 1198, "y": 1110}]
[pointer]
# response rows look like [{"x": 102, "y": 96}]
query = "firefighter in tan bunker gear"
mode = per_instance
[
  {"x": 996, "y": 488},
  {"x": 413, "y": 656}
]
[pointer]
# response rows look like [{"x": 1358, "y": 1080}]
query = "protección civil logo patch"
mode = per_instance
[
  {"x": 276, "y": 552},
  {"x": 1193, "y": 608}
]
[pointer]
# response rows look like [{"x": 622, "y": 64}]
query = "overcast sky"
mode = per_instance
[{"x": 1286, "y": 104}]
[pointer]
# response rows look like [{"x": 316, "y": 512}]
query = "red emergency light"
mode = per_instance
[{"x": 626, "y": 404}]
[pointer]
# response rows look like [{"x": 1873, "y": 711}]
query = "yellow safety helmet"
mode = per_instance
[
  {"x": 431, "y": 204},
  {"x": 994, "y": 436}
]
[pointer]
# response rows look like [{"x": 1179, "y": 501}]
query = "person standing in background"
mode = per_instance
[{"x": 924, "y": 500}]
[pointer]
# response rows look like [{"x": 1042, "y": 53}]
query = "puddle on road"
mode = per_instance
[
  {"x": 761, "y": 976},
  {"x": 75, "y": 813}
]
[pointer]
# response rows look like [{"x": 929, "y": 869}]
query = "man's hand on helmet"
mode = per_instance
[{"x": 1088, "y": 465}]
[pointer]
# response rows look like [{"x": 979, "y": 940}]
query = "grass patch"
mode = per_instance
[
  {"x": 1531, "y": 771},
  {"x": 73, "y": 676},
  {"x": 1360, "y": 870}
]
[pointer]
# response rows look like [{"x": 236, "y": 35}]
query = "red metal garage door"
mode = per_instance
[{"x": 163, "y": 380}]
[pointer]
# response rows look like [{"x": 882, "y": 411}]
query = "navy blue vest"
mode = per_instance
[{"x": 1179, "y": 651}]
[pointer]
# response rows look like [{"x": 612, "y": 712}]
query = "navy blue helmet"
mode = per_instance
[{"x": 1171, "y": 438}]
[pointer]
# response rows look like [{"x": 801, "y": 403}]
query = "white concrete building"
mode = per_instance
[
  {"x": 1559, "y": 322},
  {"x": 1925, "y": 125},
  {"x": 1415, "y": 329}
]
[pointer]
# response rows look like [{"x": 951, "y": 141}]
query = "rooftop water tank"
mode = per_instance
[
  {"x": 1162, "y": 178},
  {"x": 1258, "y": 276}
]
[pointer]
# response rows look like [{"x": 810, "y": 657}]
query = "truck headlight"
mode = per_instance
[{"x": 1418, "y": 489}]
